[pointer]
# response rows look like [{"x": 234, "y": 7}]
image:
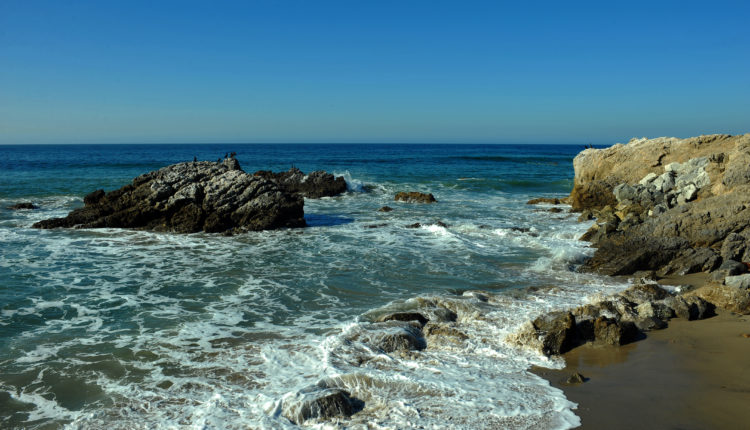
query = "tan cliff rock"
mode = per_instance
[{"x": 598, "y": 171}]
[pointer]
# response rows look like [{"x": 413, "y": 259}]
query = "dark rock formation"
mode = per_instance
[
  {"x": 315, "y": 185},
  {"x": 415, "y": 197},
  {"x": 385, "y": 209},
  {"x": 189, "y": 197},
  {"x": 618, "y": 320},
  {"x": 611, "y": 331},
  {"x": 22, "y": 205}
]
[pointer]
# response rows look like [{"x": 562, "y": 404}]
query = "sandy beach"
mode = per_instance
[{"x": 692, "y": 375}]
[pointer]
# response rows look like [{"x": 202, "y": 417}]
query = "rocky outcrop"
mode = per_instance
[
  {"x": 415, "y": 197},
  {"x": 617, "y": 320},
  {"x": 190, "y": 197},
  {"x": 673, "y": 206},
  {"x": 599, "y": 171},
  {"x": 314, "y": 186}
]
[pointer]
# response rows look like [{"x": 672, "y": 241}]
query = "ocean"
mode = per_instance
[{"x": 122, "y": 329}]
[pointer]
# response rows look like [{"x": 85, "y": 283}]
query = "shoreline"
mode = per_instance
[{"x": 691, "y": 375}]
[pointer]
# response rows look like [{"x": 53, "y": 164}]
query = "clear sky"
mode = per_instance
[{"x": 375, "y": 71}]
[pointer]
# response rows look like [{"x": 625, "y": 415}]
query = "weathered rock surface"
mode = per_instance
[
  {"x": 190, "y": 197},
  {"x": 671, "y": 207},
  {"x": 599, "y": 171},
  {"x": 415, "y": 197},
  {"x": 315, "y": 185}
]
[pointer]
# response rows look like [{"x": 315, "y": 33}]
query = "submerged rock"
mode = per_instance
[
  {"x": 189, "y": 197},
  {"x": 320, "y": 403},
  {"x": 415, "y": 197},
  {"x": 385, "y": 209},
  {"x": 23, "y": 205},
  {"x": 391, "y": 336},
  {"x": 405, "y": 316}
]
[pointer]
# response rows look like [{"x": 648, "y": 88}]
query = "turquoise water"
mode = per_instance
[{"x": 134, "y": 329}]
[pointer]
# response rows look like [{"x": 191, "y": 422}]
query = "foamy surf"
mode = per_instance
[{"x": 130, "y": 329}]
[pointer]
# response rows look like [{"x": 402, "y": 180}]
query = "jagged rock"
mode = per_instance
[
  {"x": 692, "y": 260},
  {"x": 189, "y": 197},
  {"x": 23, "y": 205},
  {"x": 655, "y": 309},
  {"x": 315, "y": 185},
  {"x": 690, "y": 307},
  {"x": 736, "y": 247},
  {"x": 319, "y": 403},
  {"x": 610, "y": 331},
  {"x": 556, "y": 331},
  {"x": 385, "y": 209},
  {"x": 415, "y": 197},
  {"x": 405, "y": 316},
  {"x": 642, "y": 293}
]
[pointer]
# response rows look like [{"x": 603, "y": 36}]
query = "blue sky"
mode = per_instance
[{"x": 379, "y": 71}]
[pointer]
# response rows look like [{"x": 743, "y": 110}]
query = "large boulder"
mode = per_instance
[
  {"x": 551, "y": 334},
  {"x": 190, "y": 197},
  {"x": 314, "y": 186}
]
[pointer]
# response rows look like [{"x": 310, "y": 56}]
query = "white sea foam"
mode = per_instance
[{"x": 208, "y": 331}]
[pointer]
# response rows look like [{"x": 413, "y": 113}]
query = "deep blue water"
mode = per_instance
[{"x": 134, "y": 329}]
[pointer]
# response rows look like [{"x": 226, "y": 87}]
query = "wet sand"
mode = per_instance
[{"x": 692, "y": 375}]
